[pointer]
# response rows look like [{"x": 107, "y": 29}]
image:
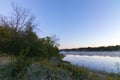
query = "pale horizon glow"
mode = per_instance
[
  {"x": 77, "y": 23},
  {"x": 99, "y": 44}
]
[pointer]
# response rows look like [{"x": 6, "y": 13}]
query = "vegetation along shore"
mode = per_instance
[{"x": 25, "y": 56}]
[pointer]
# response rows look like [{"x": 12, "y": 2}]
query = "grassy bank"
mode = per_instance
[
  {"x": 26, "y": 56},
  {"x": 34, "y": 68}
]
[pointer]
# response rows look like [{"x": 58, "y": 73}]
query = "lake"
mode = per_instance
[{"x": 100, "y": 61}]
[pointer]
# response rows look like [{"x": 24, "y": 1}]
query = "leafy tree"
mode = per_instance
[{"x": 17, "y": 34}]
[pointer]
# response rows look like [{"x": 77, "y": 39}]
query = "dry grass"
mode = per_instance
[{"x": 45, "y": 70}]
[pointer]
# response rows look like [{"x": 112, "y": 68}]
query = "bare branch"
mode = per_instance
[{"x": 20, "y": 19}]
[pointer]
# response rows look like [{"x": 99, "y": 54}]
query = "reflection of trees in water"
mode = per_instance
[{"x": 92, "y": 53}]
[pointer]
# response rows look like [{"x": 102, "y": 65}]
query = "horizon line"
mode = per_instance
[{"x": 88, "y": 47}]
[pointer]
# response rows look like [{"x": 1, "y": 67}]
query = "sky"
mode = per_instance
[{"x": 76, "y": 23}]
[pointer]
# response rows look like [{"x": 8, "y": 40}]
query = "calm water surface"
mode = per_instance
[{"x": 95, "y": 62}]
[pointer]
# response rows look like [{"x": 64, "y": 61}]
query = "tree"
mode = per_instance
[
  {"x": 16, "y": 31},
  {"x": 17, "y": 35},
  {"x": 51, "y": 45}
]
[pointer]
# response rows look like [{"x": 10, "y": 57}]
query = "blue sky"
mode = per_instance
[{"x": 77, "y": 23}]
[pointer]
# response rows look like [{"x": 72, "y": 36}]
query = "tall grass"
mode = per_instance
[{"x": 33, "y": 68}]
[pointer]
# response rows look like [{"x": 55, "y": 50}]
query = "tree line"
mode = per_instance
[{"x": 102, "y": 48}]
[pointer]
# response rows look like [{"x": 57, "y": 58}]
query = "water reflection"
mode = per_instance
[
  {"x": 106, "y": 63},
  {"x": 91, "y": 53}
]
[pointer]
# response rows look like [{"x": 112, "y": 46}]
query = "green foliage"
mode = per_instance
[
  {"x": 17, "y": 34},
  {"x": 12, "y": 44},
  {"x": 17, "y": 37},
  {"x": 16, "y": 69}
]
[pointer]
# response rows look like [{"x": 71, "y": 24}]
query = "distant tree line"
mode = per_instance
[
  {"x": 102, "y": 48},
  {"x": 17, "y": 36}
]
